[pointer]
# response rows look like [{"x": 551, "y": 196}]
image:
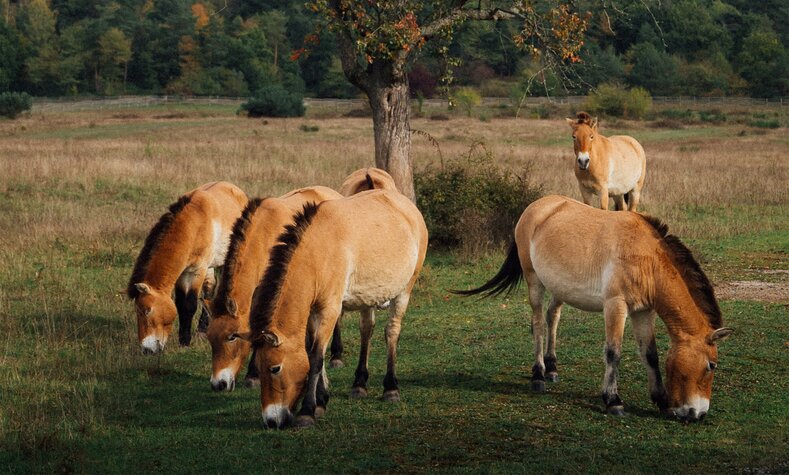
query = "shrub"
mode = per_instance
[
  {"x": 274, "y": 101},
  {"x": 309, "y": 128},
  {"x": 614, "y": 100},
  {"x": 714, "y": 116},
  {"x": 471, "y": 203},
  {"x": 467, "y": 98},
  {"x": 14, "y": 103},
  {"x": 765, "y": 123}
]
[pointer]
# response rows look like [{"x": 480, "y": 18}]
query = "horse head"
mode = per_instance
[
  {"x": 690, "y": 366},
  {"x": 228, "y": 349},
  {"x": 283, "y": 366},
  {"x": 584, "y": 130},
  {"x": 156, "y": 313}
]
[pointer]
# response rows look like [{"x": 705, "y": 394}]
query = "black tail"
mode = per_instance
[
  {"x": 370, "y": 184},
  {"x": 506, "y": 280}
]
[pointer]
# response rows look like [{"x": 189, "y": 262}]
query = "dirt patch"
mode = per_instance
[{"x": 774, "y": 292}]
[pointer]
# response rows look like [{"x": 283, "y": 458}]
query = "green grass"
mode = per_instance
[{"x": 463, "y": 369}]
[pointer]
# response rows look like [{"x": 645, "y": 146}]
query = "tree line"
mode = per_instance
[{"x": 234, "y": 48}]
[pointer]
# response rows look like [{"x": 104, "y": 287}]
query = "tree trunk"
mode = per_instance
[{"x": 390, "y": 102}]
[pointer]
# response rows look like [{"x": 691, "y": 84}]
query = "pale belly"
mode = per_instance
[{"x": 581, "y": 288}]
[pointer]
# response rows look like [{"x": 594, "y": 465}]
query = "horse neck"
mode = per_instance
[
  {"x": 251, "y": 262},
  {"x": 172, "y": 255},
  {"x": 677, "y": 307},
  {"x": 294, "y": 308}
]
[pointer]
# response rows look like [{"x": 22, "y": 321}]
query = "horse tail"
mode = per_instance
[
  {"x": 370, "y": 183},
  {"x": 506, "y": 280}
]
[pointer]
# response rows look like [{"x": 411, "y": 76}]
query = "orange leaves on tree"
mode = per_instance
[{"x": 200, "y": 12}]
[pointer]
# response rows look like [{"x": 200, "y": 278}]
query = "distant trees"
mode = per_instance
[{"x": 65, "y": 47}]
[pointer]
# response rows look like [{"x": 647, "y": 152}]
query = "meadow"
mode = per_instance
[{"x": 80, "y": 190}]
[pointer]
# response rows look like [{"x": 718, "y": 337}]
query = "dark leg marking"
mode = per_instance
[
  {"x": 253, "y": 377},
  {"x": 613, "y": 404},
  {"x": 186, "y": 304},
  {"x": 551, "y": 370},
  {"x": 336, "y": 348},
  {"x": 537, "y": 379},
  {"x": 658, "y": 396},
  {"x": 306, "y": 415}
]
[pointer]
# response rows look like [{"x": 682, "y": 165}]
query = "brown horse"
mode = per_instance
[
  {"x": 623, "y": 264},
  {"x": 179, "y": 254},
  {"x": 361, "y": 252},
  {"x": 254, "y": 234},
  {"x": 365, "y": 179},
  {"x": 604, "y": 166}
]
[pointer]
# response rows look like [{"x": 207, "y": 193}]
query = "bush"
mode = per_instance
[
  {"x": 614, "y": 100},
  {"x": 467, "y": 98},
  {"x": 274, "y": 101},
  {"x": 471, "y": 203},
  {"x": 765, "y": 123},
  {"x": 14, "y": 103}
]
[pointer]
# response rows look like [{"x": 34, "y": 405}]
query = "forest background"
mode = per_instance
[{"x": 234, "y": 48}]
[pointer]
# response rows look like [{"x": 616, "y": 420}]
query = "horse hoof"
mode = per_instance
[
  {"x": 252, "y": 383},
  {"x": 358, "y": 392},
  {"x": 552, "y": 377},
  {"x": 393, "y": 395},
  {"x": 304, "y": 421},
  {"x": 538, "y": 386},
  {"x": 615, "y": 411},
  {"x": 336, "y": 363},
  {"x": 319, "y": 412}
]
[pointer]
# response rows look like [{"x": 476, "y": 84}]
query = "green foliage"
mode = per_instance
[
  {"x": 615, "y": 100},
  {"x": 467, "y": 99},
  {"x": 274, "y": 101},
  {"x": 653, "y": 70},
  {"x": 14, "y": 103},
  {"x": 765, "y": 123},
  {"x": 471, "y": 202}
]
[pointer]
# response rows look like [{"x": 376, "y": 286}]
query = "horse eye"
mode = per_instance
[
  {"x": 275, "y": 369},
  {"x": 711, "y": 365},
  {"x": 573, "y": 137},
  {"x": 591, "y": 137},
  {"x": 232, "y": 337}
]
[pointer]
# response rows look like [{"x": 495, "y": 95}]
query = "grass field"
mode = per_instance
[{"x": 79, "y": 191}]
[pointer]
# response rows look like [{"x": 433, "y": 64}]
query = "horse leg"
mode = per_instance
[
  {"x": 615, "y": 310},
  {"x": 396, "y": 311},
  {"x": 336, "y": 347},
  {"x": 554, "y": 313},
  {"x": 634, "y": 196},
  {"x": 619, "y": 202},
  {"x": 252, "y": 379},
  {"x": 586, "y": 195},
  {"x": 536, "y": 292},
  {"x": 316, "y": 396},
  {"x": 207, "y": 293},
  {"x": 604, "y": 198},
  {"x": 644, "y": 331},
  {"x": 366, "y": 326},
  {"x": 184, "y": 318}
]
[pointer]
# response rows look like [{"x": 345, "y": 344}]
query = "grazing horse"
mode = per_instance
[
  {"x": 179, "y": 254},
  {"x": 607, "y": 166},
  {"x": 365, "y": 179},
  {"x": 254, "y": 234},
  {"x": 361, "y": 252},
  {"x": 623, "y": 264}
]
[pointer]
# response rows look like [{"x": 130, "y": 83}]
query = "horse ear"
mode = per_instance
[
  {"x": 719, "y": 334},
  {"x": 594, "y": 124},
  {"x": 570, "y": 121},
  {"x": 232, "y": 307},
  {"x": 142, "y": 288},
  {"x": 271, "y": 338}
]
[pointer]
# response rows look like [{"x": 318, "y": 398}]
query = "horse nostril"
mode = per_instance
[
  {"x": 220, "y": 386},
  {"x": 147, "y": 351},
  {"x": 272, "y": 424},
  {"x": 692, "y": 414}
]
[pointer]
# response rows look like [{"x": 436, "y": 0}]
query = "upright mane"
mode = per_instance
[
  {"x": 153, "y": 239},
  {"x": 237, "y": 239},
  {"x": 696, "y": 280},
  {"x": 583, "y": 118},
  {"x": 267, "y": 294}
]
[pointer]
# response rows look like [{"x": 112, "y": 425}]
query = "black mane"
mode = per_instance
[
  {"x": 698, "y": 284},
  {"x": 153, "y": 239},
  {"x": 267, "y": 294},
  {"x": 237, "y": 238}
]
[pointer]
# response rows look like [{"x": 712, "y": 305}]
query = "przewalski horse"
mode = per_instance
[
  {"x": 365, "y": 179},
  {"x": 361, "y": 252},
  {"x": 254, "y": 234},
  {"x": 623, "y": 264},
  {"x": 179, "y": 254},
  {"x": 607, "y": 166}
]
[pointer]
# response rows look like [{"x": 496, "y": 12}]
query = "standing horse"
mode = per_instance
[
  {"x": 365, "y": 179},
  {"x": 623, "y": 264},
  {"x": 179, "y": 254},
  {"x": 607, "y": 166},
  {"x": 254, "y": 234},
  {"x": 361, "y": 252}
]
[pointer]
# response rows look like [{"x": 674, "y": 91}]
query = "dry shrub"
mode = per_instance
[{"x": 471, "y": 203}]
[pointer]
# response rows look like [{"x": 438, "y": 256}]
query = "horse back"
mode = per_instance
[
  {"x": 365, "y": 179},
  {"x": 296, "y": 199},
  {"x": 584, "y": 255},
  {"x": 214, "y": 208}
]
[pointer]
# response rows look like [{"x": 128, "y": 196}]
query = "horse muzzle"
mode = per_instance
[
  {"x": 151, "y": 345},
  {"x": 224, "y": 382},
  {"x": 692, "y": 412},
  {"x": 277, "y": 416},
  {"x": 583, "y": 162}
]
